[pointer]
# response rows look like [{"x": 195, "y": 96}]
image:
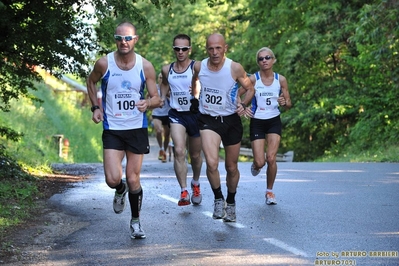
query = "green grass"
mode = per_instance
[
  {"x": 380, "y": 154},
  {"x": 23, "y": 162},
  {"x": 18, "y": 192},
  {"x": 59, "y": 114}
]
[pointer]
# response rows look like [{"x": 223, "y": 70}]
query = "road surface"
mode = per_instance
[{"x": 327, "y": 214}]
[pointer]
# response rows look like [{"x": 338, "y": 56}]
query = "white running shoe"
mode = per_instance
[
  {"x": 230, "y": 213},
  {"x": 270, "y": 198},
  {"x": 120, "y": 201},
  {"x": 196, "y": 197},
  {"x": 136, "y": 230},
  {"x": 219, "y": 209}
]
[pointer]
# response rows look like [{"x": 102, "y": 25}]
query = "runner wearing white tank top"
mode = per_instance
[{"x": 220, "y": 120}]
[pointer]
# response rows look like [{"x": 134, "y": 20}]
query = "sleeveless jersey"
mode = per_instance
[
  {"x": 164, "y": 110},
  {"x": 180, "y": 88},
  {"x": 218, "y": 90},
  {"x": 264, "y": 103},
  {"x": 121, "y": 90}
]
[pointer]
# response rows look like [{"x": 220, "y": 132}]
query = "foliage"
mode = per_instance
[
  {"x": 32, "y": 35},
  {"x": 61, "y": 113},
  {"x": 340, "y": 58}
]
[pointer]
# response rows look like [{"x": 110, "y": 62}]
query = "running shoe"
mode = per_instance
[
  {"x": 160, "y": 155},
  {"x": 270, "y": 198},
  {"x": 230, "y": 213},
  {"x": 136, "y": 230},
  {"x": 120, "y": 201},
  {"x": 219, "y": 209},
  {"x": 163, "y": 159},
  {"x": 196, "y": 197},
  {"x": 184, "y": 199},
  {"x": 254, "y": 172}
]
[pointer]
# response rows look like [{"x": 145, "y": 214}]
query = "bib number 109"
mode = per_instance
[{"x": 126, "y": 105}]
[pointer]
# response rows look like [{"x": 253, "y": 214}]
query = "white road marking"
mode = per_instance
[
  {"x": 272, "y": 241},
  {"x": 209, "y": 214},
  {"x": 286, "y": 247},
  {"x": 232, "y": 224},
  {"x": 168, "y": 198}
]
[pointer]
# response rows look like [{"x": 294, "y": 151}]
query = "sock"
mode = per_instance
[
  {"x": 269, "y": 190},
  {"x": 230, "y": 197},
  {"x": 135, "y": 200},
  {"x": 218, "y": 193},
  {"x": 195, "y": 182},
  {"x": 183, "y": 188},
  {"x": 120, "y": 188}
]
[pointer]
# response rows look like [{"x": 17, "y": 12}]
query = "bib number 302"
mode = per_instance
[{"x": 213, "y": 99}]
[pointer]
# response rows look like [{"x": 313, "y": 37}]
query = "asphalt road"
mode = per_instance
[{"x": 327, "y": 214}]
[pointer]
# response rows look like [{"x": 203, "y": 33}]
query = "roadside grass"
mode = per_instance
[
  {"x": 354, "y": 154},
  {"x": 61, "y": 114},
  {"x": 18, "y": 193},
  {"x": 25, "y": 161}
]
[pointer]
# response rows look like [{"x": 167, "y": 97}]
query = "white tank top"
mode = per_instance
[
  {"x": 264, "y": 103},
  {"x": 218, "y": 90},
  {"x": 180, "y": 88},
  {"x": 164, "y": 110},
  {"x": 121, "y": 90}
]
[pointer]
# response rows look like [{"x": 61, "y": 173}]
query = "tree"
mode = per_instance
[
  {"x": 52, "y": 35},
  {"x": 58, "y": 36},
  {"x": 327, "y": 50}
]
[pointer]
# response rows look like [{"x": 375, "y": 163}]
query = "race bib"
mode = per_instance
[
  {"x": 266, "y": 100},
  {"x": 124, "y": 104},
  {"x": 181, "y": 100},
  {"x": 213, "y": 99}
]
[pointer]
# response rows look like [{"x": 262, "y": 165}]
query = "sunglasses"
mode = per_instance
[
  {"x": 127, "y": 38},
  {"x": 184, "y": 49},
  {"x": 267, "y": 57}
]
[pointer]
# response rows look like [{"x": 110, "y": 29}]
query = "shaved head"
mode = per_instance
[{"x": 215, "y": 38}]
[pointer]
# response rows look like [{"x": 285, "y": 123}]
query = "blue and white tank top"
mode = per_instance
[
  {"x": 264, "y": 103},
  {"x": 180, "y": 88},
  {"x": 121, "y": 90},
  {"x": 218, "y": 90}
]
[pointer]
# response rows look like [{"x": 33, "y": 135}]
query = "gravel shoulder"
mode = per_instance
[{"x": 29, "y": 243}]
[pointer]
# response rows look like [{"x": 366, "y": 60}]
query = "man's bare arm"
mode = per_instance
[
  {"x": 153, "y": 100},
  {"x": 98, "y": 71}
]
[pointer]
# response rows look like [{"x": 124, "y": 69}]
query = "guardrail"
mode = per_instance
[
  {"x": 286, "y": 157},
  {"x": 74, "y": 84}
]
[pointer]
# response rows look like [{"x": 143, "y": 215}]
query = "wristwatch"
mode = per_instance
[{"x": 94, "y": 107}]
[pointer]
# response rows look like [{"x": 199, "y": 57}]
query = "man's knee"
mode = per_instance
[
  {"x": 271, "y": 159},
  {"x": 259, "y": 163}
]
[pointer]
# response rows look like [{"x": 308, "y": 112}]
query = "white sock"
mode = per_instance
[
  {"x": 269, "y": 190},
  {"x": 183, "y": 188},
  {"x": 195, "y": 182}
]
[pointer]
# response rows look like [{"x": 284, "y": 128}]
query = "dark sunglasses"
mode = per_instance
[
  {"x": 184, "y": 49},
  {"x": 127, "y": 38},
  {"x": 267, "y": 57}
]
